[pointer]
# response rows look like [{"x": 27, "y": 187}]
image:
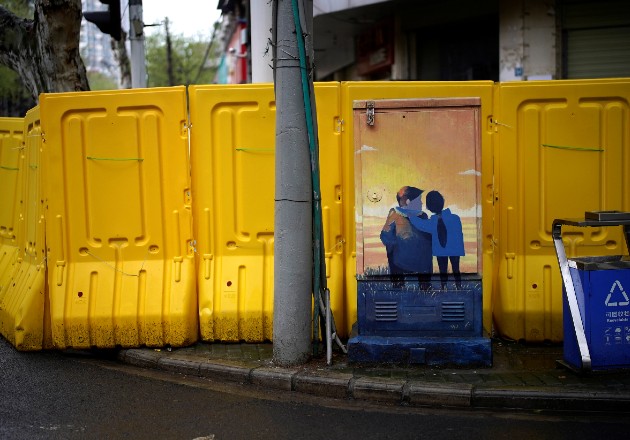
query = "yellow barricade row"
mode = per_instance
[
  {"x": 119, "y": 226},
  {"x": 562, "y": 149},
  {"x": 104, "y": 218},
  {"x": 233, "y": 169}
]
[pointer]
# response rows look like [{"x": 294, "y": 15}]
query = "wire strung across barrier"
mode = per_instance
[
  {"x": 138, "y": 159},
  {"x": 568, "y": 147},
  {"x": 114, "y": 268}
]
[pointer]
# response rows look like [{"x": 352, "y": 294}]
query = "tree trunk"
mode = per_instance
[
  {"x": 169, "y": 55},
  {"x": 45, "y": 51}
]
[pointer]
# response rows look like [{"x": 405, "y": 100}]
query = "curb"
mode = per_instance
[
  {"x": 551, "y": 399},
  {"x": 429, "y": 394},
  {"x": 414, "y": 393}
]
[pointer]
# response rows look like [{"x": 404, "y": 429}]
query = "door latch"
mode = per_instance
[{"x": 370, "y": 113}]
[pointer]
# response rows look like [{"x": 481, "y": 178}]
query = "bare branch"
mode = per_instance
[{"x": 13, "y": 32}]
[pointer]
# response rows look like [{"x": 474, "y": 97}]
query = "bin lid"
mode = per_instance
[{"x": 606, "y": 262}]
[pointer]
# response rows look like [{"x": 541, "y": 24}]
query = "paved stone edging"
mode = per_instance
[{"x": 376, "y": 389}]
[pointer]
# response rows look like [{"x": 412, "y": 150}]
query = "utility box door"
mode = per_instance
[{"x": 428, "y": 144}]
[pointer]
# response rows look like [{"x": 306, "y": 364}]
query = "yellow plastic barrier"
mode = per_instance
[
  {"x": 232, "y": 153},
  {"x": 11, "y": 140},
  {"x": 119, "y": 226},
  {"x": 354, "y": 91},
  {"x": 23, "y": 299},
  {"x": 562, "y": 150}
]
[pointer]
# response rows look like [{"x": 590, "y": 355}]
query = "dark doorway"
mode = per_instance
[{"x": 459, "y": 51}]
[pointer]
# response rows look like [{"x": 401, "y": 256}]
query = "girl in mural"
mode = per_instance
[
  {"x": 447, "y": 236},
  {"x": 408, "y": 249}
]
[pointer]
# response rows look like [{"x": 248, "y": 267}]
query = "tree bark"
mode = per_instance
[
  {"x": 45, "y": 51},
  {"x": 169, "y": 55}
]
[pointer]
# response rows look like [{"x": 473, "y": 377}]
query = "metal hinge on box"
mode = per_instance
[
  {"x": 339, "y": 125},
  {"x": 370, "y": 112}
]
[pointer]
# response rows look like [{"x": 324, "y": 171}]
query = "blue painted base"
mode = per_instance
[
  {"x": 444, "y": 351},
  {"x": 410, "y": 309}
]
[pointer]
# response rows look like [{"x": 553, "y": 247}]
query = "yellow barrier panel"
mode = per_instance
[
  {"x": 562, "y": 150},
  {"x": 354, "y": 91},
  {"x": 119, "y": 225},
  {"x": 11, "y": 140},
  {"x": 23, "y": 299},
  {"x": 232, "y": 153}
]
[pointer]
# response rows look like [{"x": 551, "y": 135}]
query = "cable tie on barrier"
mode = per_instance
[
  {"x": 33, "y": 166},
  {"x": 139, "y": 159},
  {"x": 9, "y": 168},
  {"x": 494, "y": 121},
  {"x": 568, "y": 147},
  {"x": 339, "y": 244},
  {"x": 43, "y": 263}
]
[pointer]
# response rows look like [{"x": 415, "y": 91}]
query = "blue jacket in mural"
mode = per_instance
[{"x": 454, "y": 240}]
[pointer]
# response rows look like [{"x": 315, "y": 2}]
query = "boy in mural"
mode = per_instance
[
  {"x": 447, "y": 236},
  {"x": 408, "y": 249}
]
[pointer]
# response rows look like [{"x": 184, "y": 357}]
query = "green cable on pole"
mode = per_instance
[{"x": 317, "y": 220}]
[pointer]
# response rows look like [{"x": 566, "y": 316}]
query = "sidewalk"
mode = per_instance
[{"x": 522, "y": 377}]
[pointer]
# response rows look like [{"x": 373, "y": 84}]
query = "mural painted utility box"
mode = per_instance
[{"x": 418, "y": 217}]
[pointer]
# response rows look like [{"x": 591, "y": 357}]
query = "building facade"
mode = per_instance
[
  {"x": 457, "y": 40},
  {"x": 95, "y": 46},
  {"x": 234, "y": 37}
]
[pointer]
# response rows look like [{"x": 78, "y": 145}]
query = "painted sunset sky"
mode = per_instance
[{"x": 429, "y": 148}]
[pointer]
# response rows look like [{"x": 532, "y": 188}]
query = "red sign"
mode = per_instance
[{"x": 375, "y": 48}]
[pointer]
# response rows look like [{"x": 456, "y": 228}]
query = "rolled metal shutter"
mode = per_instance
[{"x": 597, "y": 38}]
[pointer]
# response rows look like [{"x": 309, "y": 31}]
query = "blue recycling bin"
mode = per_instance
[
  {"x": 604, "y": 305},
  {"x": 596, "y": 300}
]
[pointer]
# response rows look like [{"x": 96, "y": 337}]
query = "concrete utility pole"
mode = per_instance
[
  {"x": 136, "y": 37},
  {"x": 293, "y": 246}
]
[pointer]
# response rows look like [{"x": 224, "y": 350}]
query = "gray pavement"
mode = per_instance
[{"x": 522, "y": 377}]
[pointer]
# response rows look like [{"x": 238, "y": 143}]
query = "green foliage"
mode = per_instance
[
  {"x": 21, "y": 8},
  {"x": 187, "y": 56},
  {"x": 99, "y": 81},
  {"x": 15, "y": 99}
]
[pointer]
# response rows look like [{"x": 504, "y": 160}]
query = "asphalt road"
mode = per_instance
[{"x": 53, "y": 395}]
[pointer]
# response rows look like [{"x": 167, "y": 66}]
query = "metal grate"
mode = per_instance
[
  {"x": 386, "y": 310},
  {"x": 453, "y": 311}
]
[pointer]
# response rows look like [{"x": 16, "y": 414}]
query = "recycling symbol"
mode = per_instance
[{"x": 617, "y": 286}]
